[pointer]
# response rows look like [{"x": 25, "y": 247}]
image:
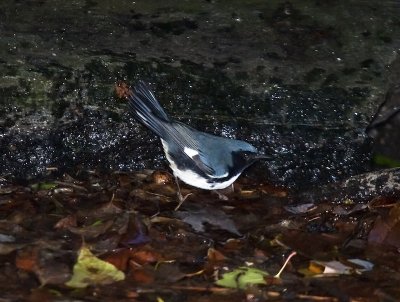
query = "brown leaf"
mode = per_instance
[
  {"x": 51, "y": 266},
  {"x": 26, "y": 259},
  {"x": 215, "y": 255},
  {"x": 94, "y": 230},
  {"x": 169, "y": 272},
  {"x": 161, "y": 177},
  {"x": 197, "y": 217},
  {"x": 142, "y": 275},
  {"x": 122, "y": 90},
  {"x": 145, "y": 256},
  {"x": 315, "y": 246},
  {"x": 42, "y": 295},
  {"x": 66, "y": 222},
  {"x": 119, "y": 258},
  {"x": 386, "y": 229}
]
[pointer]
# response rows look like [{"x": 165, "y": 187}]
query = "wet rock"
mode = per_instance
[
  {"x": 286, "y": 77},
  {"x": 360, "y": 188}
]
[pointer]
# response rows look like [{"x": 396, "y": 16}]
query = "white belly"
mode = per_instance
[{"x": 195, "y": 180}]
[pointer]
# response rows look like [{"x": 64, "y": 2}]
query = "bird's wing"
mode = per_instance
[{"x": 189, "y": 144}]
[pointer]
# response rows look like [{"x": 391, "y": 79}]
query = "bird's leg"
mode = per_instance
[
  {"x": 222, "y": 196},
  {"x": 180, "y": 197}
]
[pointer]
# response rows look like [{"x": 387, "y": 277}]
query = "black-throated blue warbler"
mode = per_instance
[{"x": 197, "y": 158}]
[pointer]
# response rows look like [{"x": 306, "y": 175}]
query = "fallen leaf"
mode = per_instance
[
  {"x": 161, "y": 177},
  {"x": 169, "y": 272},
  {"x": 122, "y": 90},
  {"x": 215, "y": 255},
  {"x": 44, "y": 186},
  {"x": 143, "y": 274},
  {"x": 386, "y": 229},
  {"x": 51, "y": 264},
  {"x": 119, "y": 258},
  {"x": 7, "y": 248},
  {"x": 314, "y": 246},
  {"x": 94, "y": 230},
  {"x": 90, "y": 270},
  {"x": 145, "y": 256},
  {"x": 242, "y": 277},
  {"x": 217, "y": 218},
  {"x": 66, "y": 222},
  {"x": 301, "y": 208},
  {"x": 26, "y": 259},
  {"x": 343, "y": 210},
  {"x": 335, "y": 267},
  {"x": 136, "y": 232}
]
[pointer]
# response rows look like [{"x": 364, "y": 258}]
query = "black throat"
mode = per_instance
[{"x": 240, "y": 161}]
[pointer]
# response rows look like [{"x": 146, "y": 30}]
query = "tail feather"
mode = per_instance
[
  {"x": 147, "y": 98},
  {"x": 147, "y": 110}
]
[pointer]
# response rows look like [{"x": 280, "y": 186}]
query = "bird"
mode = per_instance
[{"x": 197, "y": 158}]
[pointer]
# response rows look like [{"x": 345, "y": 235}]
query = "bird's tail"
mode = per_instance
[{"x": 147, "y": 109}]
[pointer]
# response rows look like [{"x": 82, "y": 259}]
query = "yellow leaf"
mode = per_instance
[
  {"x": 315, "y": 268},
  {"x": 90, "y": 270}
]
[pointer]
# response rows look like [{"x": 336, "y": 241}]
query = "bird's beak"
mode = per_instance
[
  {"x": 262, "y": 157},
  {"x": 251, "y": 157}
]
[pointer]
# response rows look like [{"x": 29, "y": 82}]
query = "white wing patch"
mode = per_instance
[
  {"x": 193, "y": 153},
  {"x": 192, "y": 178},
  {"x": 190, "y": 152}
]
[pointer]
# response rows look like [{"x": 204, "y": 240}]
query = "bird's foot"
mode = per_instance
[
  {"x": 227, "y": 190},
  {"x": 181, "y": 200},
  {"x": 221, "y": 196}
]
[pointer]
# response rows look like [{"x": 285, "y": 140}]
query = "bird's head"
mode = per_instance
[
  {"x": 244, "y": 158},
  {"x": 252, "y": 156}
]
